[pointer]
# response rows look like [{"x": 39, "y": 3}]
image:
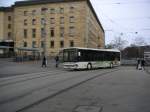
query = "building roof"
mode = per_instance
[
  {"x": 5, "y": 47},
  {"x": 6, "y": 9},
  {"x": 37, "y": 2}
]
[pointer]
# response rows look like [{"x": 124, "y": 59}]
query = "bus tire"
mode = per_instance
[{"x": 89, "y": 66}]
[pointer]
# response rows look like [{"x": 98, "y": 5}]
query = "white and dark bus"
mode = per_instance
[{"x": 88, "y": 58}]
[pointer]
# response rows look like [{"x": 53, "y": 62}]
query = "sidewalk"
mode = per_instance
[
  {"x": 10, "y": 68},
  {"x": 147, "y": 68}
]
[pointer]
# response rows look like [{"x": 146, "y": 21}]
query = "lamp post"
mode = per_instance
[{"x": 43, "y": 10}]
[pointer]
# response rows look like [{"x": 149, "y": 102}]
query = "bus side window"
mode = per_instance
[{"x": 79, "y": 56}]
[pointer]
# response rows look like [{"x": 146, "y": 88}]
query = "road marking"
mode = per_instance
[{"x": 88, "y": 108}]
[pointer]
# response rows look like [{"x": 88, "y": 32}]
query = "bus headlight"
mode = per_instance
[{"x": 76, "y": 65}]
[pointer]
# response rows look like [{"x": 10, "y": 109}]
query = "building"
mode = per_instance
[
  {"x": 130, "y": 54},
  {"x": 147, "y": 56},
  {"x": 50, "y": 25},
  {"x": 6, "y": 31}
]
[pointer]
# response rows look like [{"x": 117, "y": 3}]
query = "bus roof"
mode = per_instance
[{"x": 109, "y": 50}]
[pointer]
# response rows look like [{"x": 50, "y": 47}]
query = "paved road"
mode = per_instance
[
  {"x": 126, "y": 90},
  {"x": 122, "y": 89},
  {"x": 147, "y": 69},
  {"x": 9, "y": 68},
  {"x": 24, "y": 91},
  {"x": 34, "y": 89}
]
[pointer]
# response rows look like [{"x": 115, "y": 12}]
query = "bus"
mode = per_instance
[{"x": 89, "y": 58}]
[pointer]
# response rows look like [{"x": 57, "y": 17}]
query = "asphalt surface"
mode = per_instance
[
  {"x": 27, "y": 87},
  {"x": 25, "y": 91},
  {"x": 126, "y": 90},
  {"x": 9, "y": 68}
]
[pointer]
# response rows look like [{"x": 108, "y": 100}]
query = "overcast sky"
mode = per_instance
[{"x": 128, "y": 18}]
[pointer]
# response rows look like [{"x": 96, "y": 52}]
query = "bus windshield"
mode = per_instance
[{"x": 70, "y": 55}]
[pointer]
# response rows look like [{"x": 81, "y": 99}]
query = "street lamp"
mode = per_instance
[{"x": 43, "y": 10}]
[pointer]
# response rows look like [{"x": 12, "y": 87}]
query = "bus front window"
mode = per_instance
[{"x": 70, "y": 56}]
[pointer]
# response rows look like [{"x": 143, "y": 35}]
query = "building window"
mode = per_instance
[
  {"x": 33, "y": 12},
  {"x": 33, "y": 33},
  {"x": 52, "y": 32},
  {"x": 25, "y": 33},
  {"x": 9, "y": 35},
  {"x": 72, "y": 31},
  {"x": 72, "y": 19},
  {"x": 42, "y": 44},
  {"x": 25, "y": 22},
  {"x": 9, "y": 26},
  {"x": 62, "y": 20},
  {"x": 33, "y": 21},
  {"x": 34, "y": 44},
  {"x": 43, "y": 11},
  {"x": 62, "y": 31},
  {"x": 52, "y": 44},
  {"x": 24, "y": 44},
  {"x": 9, "y": 18},
  {"x": 61, "y": 10},
  {"x": 43, "y": 32},
  {"x": 43, "y": 21},
  {"x": 71, "y": 9},
  {"x": 52, "y": 11},
  {"x": 52, "y": 20},
  {"x": 71, "y": 43},
  {"x": 25, "y": 13},
  {"x": 61, "y": 44}
]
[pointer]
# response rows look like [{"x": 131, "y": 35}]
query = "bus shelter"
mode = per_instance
[
  {"x": 27, "y": 54},
  {"x": 6, "y": 51}
]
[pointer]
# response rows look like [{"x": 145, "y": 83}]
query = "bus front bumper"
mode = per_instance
[{"x": 70, "y": 66}]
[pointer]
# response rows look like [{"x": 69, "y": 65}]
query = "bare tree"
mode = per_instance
[
  {"x": 139, "y": 41},
  {"x": 117, "y": 43},
  {"x": 109, "y": 46}
]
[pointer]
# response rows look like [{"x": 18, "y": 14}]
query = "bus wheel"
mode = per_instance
[
  {"x": 111, "y": 65},
  {"x": 89, "y": 66}
]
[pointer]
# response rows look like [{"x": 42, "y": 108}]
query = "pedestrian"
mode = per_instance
[
  {"x": 44, "y": 62},
  {"x": 138, "y": 63},
  {"x": 143, "y": 64},
  {"x": 57, "y": 61}
]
